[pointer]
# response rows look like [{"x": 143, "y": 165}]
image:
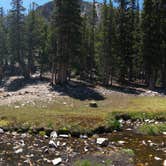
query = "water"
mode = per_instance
[{"x": 146, "y": 148}]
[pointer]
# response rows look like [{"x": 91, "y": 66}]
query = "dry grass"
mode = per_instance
[{"x": 77, "y": 115}]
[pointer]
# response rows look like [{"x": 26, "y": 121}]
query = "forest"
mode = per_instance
[
  {"x": 83, "y": 83},
  {"x": 125, "y": 43}
]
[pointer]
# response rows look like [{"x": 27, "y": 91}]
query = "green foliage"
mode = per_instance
[
  {"x": 152, "y": 129},
  {"x": 85, "y": 163},
  {"x": 130, "y": 152},
  {"x": 113, "y": 123},
  {"x": 42, "y": 133}
]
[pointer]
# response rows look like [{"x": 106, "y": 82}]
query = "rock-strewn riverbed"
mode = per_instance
[{"x": 123, "y": 148}]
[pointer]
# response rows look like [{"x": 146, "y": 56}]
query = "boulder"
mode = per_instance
[
  {"x": 1, "y": 131},
  {"x": 57, "y": 161},
  {"x": 102, "y": 141},
  {"x": 93, "y": 104}
]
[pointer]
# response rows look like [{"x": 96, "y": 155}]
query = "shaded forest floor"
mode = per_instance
[{"x": 36, "y": 104}]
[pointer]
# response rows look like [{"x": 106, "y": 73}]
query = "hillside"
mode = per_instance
[{"x": 86, "y": 8}]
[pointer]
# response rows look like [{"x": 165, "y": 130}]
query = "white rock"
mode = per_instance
[
  {"x": 157, "y": 158},
  {"x": 1, "y": 131},
  {"x": 164, "y": 163},
  {"x": 64, "y": 135},
  {"x": 83, "y": 136},
  {"x": 16, "y": 107},
  {"x": 57, "y": 161},
  {"x": 149, "y": 141},
  {"x": 121, "y": 142},
  {"x": 18, "y": 151},
  {"x": 52, "y": 143},
  {"x": 102, "y": 141},
  {"x": 54, "y": 135},
  {"x": 164, "y": 133},
  {"x": 128, "y": 129},
  {"x": 143, "y": 142}
]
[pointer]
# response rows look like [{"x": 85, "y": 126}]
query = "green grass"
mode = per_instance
[
  {"x": 77, "y": 116},
  {"x": 152, "y": 129}
]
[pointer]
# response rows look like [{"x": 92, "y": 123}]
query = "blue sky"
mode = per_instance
[{"x": 6, "y": 3}]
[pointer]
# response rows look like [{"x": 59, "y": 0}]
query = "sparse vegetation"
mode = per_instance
[
  {"x": 152, "y": 129},
  {"x": 81, "y": 117}
]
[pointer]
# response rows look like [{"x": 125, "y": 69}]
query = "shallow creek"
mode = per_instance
[{"x": 35, "y": 150}]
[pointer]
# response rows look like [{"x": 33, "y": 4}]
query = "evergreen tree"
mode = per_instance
[
  {"x": 2, "y": 37},
  {"x": 3, "y": 48},
  {"x": 17, "y": 35},
  {"x": 32, "y": 36},
  {"x": 67, "y": 22},
  {"x": 162, "y": 11},
  {"x": 107, "y": 37},
  {"x": 151, "y": 44},
  {"x": 91, "y": 55}
]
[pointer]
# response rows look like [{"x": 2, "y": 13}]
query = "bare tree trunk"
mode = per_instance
[
  {"x": 152, "y": 80},
  {"x": 61, "y": 76},
  {"x": 163, "y": 75}
]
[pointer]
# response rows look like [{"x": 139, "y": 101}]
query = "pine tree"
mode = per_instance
[
  {"x": 68, "y": 32},
  {"x": 122, "y": 35},
  {"x": 162, "y": 11},
  {"x": 32, "y": 36},
  {"x": 91, "y": 55},
  {"x": 17, "y": 35},
  {"x": 151, "y": 33},
  {"x": 3, "y": 48},
  {"x": 107, "y": 34}
]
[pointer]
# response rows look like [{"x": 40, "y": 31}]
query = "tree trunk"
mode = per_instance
[
  {"x": 30, "y": 63},
  {"x": 163, "y": 75},
  {"x": 23, "y": 66},
  {"x": 61, "y": 76},
  {"x": 152, "y": 80}
]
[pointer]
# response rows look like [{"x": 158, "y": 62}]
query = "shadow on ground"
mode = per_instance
[
  {"x": 126, "y": 89},
  {"x": 20, "y": 83},
  {"x": 79, "y": 91},
  {"x": 74, "y": 89}
]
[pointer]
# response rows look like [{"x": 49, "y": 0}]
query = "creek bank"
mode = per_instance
[{"x": 51, "y": 147}]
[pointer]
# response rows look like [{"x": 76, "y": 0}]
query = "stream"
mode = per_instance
[{"x": 18, "y": 149}]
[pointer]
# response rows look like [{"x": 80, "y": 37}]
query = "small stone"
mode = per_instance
[
  {"x": 164, "y": 163},
  {"x": 54, "y": 135},
  {"x": 121, "y": 142},
  {"x": 102, "y": 141},
  {"x": 164, "y": 133},
  {"x": 157, "y": 158},
  {"x": 16, "y": 107},
  {"x": 57, "y": 161},
  {"x": 128, "y": 129},
  {"x": 83, "y": 136},
  {"x": 143, "y": 142},
  {"x": 1, "y": 131},
  {"x": 18, "y": 151},
  {"x": 64, "y": 136},
  {"x": 52, "y": 144}
]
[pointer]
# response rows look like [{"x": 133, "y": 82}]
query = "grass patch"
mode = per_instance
[
  {"x": 77, "y": 116},
  {"x": 89, "y": 163},
  {"x": 152, "y": 129},
  {"x": 129, "y": 152}
]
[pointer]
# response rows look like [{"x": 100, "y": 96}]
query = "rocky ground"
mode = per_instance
[
  {"x": 119, "y": 148},
  {"x": 16, "y": 89},
  {"x": 25, "y": 149}
]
